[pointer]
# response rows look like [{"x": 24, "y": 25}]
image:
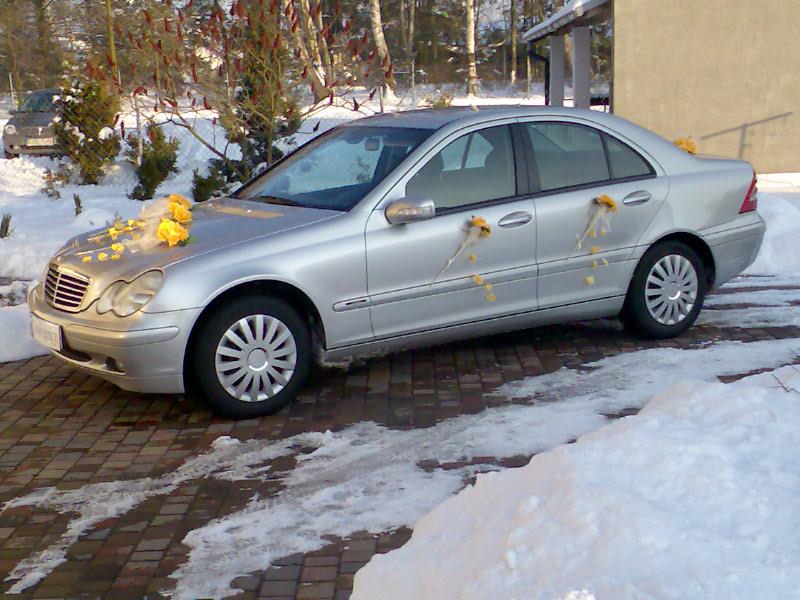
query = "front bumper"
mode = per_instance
[
  {"x": 16, "y": 144},
  {"x": 141, "y": 353}
]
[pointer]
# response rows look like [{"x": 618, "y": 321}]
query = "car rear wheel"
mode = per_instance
[
  {"x": 251, "y": 357},
  {"x": 666, "y": 292}
]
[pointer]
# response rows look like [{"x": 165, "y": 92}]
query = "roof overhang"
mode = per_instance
[{"x": 572, "y": 11}]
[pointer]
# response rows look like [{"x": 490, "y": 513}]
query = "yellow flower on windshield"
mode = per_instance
[
  {"x": 171, "y": 232},
  {"x": 117, "y": 248},
  {"x": 102, "y": 257},
  {"x": 179, "y": 212}
]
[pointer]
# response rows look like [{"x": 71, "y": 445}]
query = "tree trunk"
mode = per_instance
[
  {"x": 513, "y": 18},
  {"x": 472, "y": 69},
  {"x": 380, "y": 40},
  {"x": 112, "y": 48}
]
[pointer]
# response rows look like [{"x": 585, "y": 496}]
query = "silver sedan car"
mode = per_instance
[{"x": 360, "y": 243}]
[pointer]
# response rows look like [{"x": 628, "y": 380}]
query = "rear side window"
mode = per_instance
[
  {"x": 567, "y": 155},
  {"x": 624, "y": 161},
  {"x": 477, "y": 167}
]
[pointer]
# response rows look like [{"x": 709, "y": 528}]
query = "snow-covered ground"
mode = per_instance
[{"x": 694, "y": 497}]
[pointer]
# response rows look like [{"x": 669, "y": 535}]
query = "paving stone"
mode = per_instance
[{"x": 62, "y": 427}]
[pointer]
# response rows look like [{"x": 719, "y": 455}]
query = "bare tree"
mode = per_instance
[
  {"x": 380, "y": 41},
  {"x": 472, "y": 69},
  {"x": 112, "y": 47}
]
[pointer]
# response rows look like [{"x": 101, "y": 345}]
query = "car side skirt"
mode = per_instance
[{"x": 594, "y": 309}]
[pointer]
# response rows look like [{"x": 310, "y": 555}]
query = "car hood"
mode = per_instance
[
  {"x": 36, "y": 119},
  {"x": 216, "y": 224}
]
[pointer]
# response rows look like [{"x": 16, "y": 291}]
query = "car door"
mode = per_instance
[
  {"x": 477, "y": 172},
  {"x": 572, "y": 164}
]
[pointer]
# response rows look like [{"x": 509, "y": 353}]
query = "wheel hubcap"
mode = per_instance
[
  {"x": 671, "y": 289},
  {"x": 256, "y": 358}
]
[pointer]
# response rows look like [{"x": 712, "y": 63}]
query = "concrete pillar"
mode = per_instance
[
  {"x": 557, "y": 62},
  {"x": 582, "y": 66}
]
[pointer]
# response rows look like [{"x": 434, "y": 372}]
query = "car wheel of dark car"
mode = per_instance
[
  {"x": 250, "y": 357},
  {"x": 666, "y": 292}
]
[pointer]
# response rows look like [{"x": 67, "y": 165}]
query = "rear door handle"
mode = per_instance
[
  {"x": 639, "y": 197},
  {"x": 515, "y": 219}
]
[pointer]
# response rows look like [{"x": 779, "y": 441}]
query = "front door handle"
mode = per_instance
[
  {"x": 515, "y": 219},
  {"x": 639, "y": 197}
]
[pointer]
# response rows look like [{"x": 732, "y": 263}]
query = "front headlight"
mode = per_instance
[
  {"x": 10, "y": 129},
  {"x": 127, "y": 298}
]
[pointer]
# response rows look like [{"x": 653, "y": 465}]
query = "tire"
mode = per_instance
[
  {"x": 651, "y": 307},
  {"x": 257, "y": 332},
  {"x": 9, "y": 156}
]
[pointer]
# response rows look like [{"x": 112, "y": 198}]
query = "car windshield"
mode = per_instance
[
  {"x": 38, "y": 102},
  {"x": 337, "y": 169}
]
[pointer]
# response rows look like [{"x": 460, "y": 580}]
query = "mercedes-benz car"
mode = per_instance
[
  {"x": 29, "y": 130},
  {"x": 350, "y": 246}
]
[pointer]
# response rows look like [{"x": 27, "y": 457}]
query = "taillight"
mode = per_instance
[{"x": 751, "y": 199}]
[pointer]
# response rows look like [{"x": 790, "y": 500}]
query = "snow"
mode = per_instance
[
  {"x": 691, "y": 498},
  {"x": 369, "y": 478}
]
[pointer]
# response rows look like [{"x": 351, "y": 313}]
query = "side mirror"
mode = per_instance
[{"x": 409, "y": 210}]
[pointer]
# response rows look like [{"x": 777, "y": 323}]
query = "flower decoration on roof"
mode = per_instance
[{"x": 686, "y": 144}]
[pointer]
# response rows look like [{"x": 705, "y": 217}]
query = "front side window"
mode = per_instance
[
  {"x": 337, "y": 169},
  {"x": 476, "y": 167},
  {"x": 567, "y": 155}
]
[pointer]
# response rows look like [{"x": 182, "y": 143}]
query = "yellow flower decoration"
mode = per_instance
[
  {"x": 115, "y": 257},
  {"x": 605, "y": 200},
  {"x": 589, "y": 280},
  {"x": 477, "y": 279},
  {"x": 178, "y": 199},
  {"x": 113, "y": 232},
  {"x": 86, "y": 259},
  {"x": 171, "y": 232},
  {"x": 491, "y": 297},
  {"x": 486, "y": 230},
  {"x": 488, "y": 287},
  {"x": 472, "y": 258},
  {"x": 117, "y": 248},
  {"x": 686, "y": 144},
  {"x": 102, "y": 256},
  {"x": 179, "y": 212},
  {"x": 595, "y": 249}
]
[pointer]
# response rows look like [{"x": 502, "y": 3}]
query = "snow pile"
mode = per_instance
[
  {"x": 696, "y": 497},
  {"x": 780, "y": 252},
  {"x": 371, "y": 478}
]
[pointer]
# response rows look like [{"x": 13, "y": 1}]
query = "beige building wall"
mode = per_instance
[{"x": 726, "y": 73}]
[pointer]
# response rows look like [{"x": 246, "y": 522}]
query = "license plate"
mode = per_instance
[
  {"x": 40, "y": 142},
  {"x": 47, "y": 334}
]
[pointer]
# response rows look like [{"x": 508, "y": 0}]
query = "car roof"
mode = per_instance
[{"x": 436, "y": 118}]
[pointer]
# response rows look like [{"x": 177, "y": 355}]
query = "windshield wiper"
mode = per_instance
[{"x": 275, "y": 200}]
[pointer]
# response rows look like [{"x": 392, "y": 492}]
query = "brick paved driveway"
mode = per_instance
[{"x": 60, "y": 427}]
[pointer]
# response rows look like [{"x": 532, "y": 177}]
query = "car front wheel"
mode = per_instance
[
  {"x": 251, "y": 357},
  {"x": 666, "y": 292}
]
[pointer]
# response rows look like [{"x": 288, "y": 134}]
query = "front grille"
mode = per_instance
[{"x": 65, "y": 289}]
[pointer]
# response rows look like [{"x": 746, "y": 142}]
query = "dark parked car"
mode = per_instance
[{"x": 29, "y": 130}]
